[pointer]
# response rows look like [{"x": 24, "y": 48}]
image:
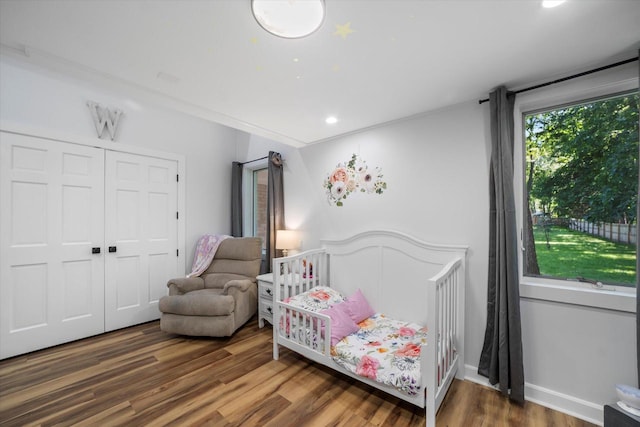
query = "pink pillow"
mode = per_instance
[
  {"x": 341, "y": 323},
  {"x": 358, "y": 307}
]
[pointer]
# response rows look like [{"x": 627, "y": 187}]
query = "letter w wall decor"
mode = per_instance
[{"x": 104, "y": 118}]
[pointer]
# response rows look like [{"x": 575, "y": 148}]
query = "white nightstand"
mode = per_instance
[
  {"x": 266, "y": 292},
  {"x": 265, "y": 299}
]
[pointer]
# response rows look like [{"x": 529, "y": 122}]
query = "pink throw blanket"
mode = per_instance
[{"x": 205, "y": 251}]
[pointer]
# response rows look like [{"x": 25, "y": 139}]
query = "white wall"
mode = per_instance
[
  {"x": 37, "y": 98},
  {"x": 578, "y": 352},
  {"x": 437, "y": 170}
]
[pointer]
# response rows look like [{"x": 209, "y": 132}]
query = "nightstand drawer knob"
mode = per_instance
[
  {"x": 268, "y": 290},
  {"x": 270, "y": 310}
]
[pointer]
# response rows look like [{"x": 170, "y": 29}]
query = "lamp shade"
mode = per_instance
[
  {"x": 287, "y": 239},
  {"x": 290, "y": 19}
]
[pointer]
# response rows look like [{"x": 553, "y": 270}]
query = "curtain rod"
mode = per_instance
[
  {"x": 254, "y": 160},
  {"x": 595, "y": 70}
]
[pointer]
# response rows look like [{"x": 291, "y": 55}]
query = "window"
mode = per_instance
[
  {"x": 577, "y": 182},
  {"x": 259, "y": 211},
  {"x": 582, "y": 191}
]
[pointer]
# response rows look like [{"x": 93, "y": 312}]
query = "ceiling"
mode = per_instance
[{"x": 372, "y": 61}]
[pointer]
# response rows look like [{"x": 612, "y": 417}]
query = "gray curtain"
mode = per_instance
[
  {"x": 501, "y": 357},
  {"x": 275, "y": 207},
  {"x": 236, "y": 199}
]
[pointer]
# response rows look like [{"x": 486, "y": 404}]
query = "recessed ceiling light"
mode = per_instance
[
  {"x": 552, "y": 3},
  {"x": 331, "y": 120}
]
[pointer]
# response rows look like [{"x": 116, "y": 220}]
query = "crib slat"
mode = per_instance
[
  {"x": 445, "y": 326},
  {"x": 443, "y": 347},
  {"x": 448, "y": 337},
  {"x": 441, "y": 332}
]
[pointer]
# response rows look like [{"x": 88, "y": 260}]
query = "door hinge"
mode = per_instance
[
  {"x": 177, "y": 178},
  {"x": 177, "y": 252},
  {"x": 177, "y": 215}
]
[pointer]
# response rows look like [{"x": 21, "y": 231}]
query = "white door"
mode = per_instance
[
  {"x": 51, "y": 218},
  {"x": 141, "y": 228}
]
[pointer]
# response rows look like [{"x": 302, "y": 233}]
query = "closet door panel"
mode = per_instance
[
  {"x": 127, "y": 276},
  {"x": 82, "y": 228},
  {"x": 51, "y": 284},
  {"x": 28, "y": 290},
  {"x": 78, "y": 298},
  {"x": 163, "y": 227},
  {"x": 141, "y": 226}
]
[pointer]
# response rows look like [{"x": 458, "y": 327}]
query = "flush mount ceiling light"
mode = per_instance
[{"x": 291, "y": 19}]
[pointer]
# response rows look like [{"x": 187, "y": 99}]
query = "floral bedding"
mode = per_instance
[
  {"x": 316, "y": 299},
  {"x": 385, "y": 350}
]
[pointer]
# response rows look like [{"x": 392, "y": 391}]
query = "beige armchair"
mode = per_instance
[{"x": 222, "y": 299}]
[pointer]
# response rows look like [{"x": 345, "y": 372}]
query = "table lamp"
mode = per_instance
[{"x": 287, "y": 239}]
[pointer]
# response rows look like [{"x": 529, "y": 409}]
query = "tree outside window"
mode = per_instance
[{"x": 581, "y": 179}]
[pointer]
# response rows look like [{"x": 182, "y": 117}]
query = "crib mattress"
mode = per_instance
[
  {"x": 316, "y": 299},
  {"x": 385, "y": 350}
]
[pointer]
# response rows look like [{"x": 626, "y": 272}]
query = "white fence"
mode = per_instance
[{"x": 621, "y": 233}]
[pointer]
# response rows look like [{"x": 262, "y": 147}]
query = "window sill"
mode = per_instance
[{"x": 549, "y": 290}]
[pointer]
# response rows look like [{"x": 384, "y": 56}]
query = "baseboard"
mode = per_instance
[{"x": 570, "y": 405}]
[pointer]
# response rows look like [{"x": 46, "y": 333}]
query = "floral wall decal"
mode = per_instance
[{"x": 353, "y": 177}]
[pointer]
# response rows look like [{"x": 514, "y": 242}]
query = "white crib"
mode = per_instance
[{"x": 402, "y": 277}]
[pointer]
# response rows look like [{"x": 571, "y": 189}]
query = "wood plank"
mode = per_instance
[
  {"x": 142, "y": 376},
  {"x": 256, "y": 413}
]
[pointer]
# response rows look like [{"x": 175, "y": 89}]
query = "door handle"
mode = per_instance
[
  {"x": 112, "y": 249},
  {"x": 95, "y": 250}
]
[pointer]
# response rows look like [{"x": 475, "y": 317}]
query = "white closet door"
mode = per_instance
[
  {"x": 141, "y": 236},
  {"x": 51, "y": 216}
]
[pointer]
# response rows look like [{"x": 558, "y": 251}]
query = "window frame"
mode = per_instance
[
  {"x": 248, "y": 208},
  {"x": 605, "y": 84}
]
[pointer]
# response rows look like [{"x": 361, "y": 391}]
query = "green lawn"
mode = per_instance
[{"x": 572, "y": 253}]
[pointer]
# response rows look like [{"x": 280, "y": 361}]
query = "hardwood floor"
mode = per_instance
[{"x": 140, "y": 376}]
